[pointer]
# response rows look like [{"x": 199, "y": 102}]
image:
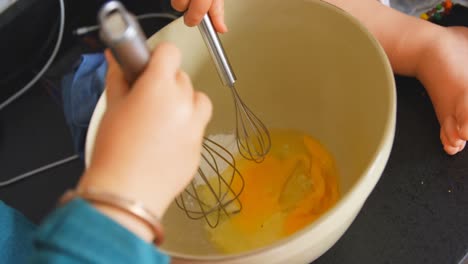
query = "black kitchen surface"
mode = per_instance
[{"x": 416, "y": 214}]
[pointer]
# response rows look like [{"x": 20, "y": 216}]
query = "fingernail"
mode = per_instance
[{"x": 450, "y": 150}]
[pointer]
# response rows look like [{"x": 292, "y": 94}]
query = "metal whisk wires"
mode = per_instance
[
  {"x": 253, "y": 137},
  {"x": 216, "y": 188}
]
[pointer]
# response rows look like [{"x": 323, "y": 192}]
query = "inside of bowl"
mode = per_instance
[{"x": 301, "y": 65}]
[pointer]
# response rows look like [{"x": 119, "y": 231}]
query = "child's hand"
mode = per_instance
[
  {"x": 196, "y": 9},
  {"x": 149, "y": 141},
  {"x": 443, "y": 72}
]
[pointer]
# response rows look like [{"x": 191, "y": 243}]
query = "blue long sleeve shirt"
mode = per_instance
[{"x": 74, "y": 233}]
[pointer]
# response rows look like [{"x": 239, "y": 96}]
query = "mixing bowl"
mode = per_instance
[{"x": 303, "y": 65}]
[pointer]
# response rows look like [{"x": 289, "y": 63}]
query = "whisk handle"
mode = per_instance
[
  {"x": 122, "y": 33},
  {"x": 217, "y": 52}
]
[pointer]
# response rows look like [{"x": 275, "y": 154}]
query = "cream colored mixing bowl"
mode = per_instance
[{"x": 303, "y": 65}]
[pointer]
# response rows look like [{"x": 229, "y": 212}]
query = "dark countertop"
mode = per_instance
[
  {"x": 418, "y": 212},
  {"x": 33, "y": 133}
]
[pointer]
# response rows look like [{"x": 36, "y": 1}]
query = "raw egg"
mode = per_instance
[{"x": 295, "y": 184}]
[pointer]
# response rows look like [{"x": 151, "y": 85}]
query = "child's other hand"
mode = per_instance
[
  {"x": 149, "y": 141},
  {"x": 443, "y": 72},
  {"x": 196, "y": 9}
]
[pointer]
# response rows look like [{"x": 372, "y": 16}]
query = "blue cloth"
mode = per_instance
[
  {"x": 81, "y": 90},
  {"x": 78, "y": 233},
  {"x": 16, "y": 235}
]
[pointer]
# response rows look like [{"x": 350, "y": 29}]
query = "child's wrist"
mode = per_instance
[
  {"x": 153, "y": 196},
  {"x": 131, "y": 223}
]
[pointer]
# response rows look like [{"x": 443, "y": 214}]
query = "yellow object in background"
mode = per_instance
[
  {"x": 295, "y": 184},
  {"x": 424, "y": 16}
]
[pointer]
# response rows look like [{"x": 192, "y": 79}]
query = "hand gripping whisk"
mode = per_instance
[
  {"x": 216, "y": 188},
  {"x": 253, "y": 138}
]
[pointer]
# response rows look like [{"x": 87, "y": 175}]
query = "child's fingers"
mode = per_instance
[
  {"x": 447, "y": 146},
  {"x": 184, "y": 84},
  {"x": 164, "y": 65},
  {"x": 117, "y": 85},
  {"x": 450, "y": 128},
  {"x": 217, "y": 15},
  {"x": 462, "y": 117},
  {"x": 197, "y": 9},
  {"x": 183, "y": 79},
  {"x": 203, "y": 108},
  {"x": 180, "y": 5},
  {"x": 462, "y": 146}
]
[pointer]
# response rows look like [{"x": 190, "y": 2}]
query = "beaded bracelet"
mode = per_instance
[{"x": 133, "y": 208}]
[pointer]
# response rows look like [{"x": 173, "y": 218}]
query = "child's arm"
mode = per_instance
[
  {"x": 435, "y": 55},
  {"x": 403, "y": 37}
]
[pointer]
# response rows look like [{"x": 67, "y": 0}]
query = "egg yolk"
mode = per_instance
[{"x": 295, "y": 184}]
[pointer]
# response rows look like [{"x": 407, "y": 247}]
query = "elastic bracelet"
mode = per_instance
[{"x": 133, "y": 208}]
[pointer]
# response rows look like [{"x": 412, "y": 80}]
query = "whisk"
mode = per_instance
[
  {"x": 215, "y": 190},
  {"x": 253, "y": 137}
]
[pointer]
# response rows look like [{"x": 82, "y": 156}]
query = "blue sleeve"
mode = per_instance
[
  {"x": 16, "y": 235},
  {"x": 78, "y": 233}
]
